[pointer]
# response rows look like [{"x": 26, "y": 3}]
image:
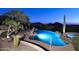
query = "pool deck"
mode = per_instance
[{"x": 8, "y": 46}]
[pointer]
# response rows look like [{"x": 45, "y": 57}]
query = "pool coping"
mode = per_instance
[{"x": 54, "y": 48}]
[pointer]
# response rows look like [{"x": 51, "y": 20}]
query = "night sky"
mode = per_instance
[{"x": 49, "y": 15}]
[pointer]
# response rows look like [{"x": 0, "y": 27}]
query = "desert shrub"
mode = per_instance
[
  {"x": 4, "y": 34},
  {"x": 75, "y": 42}
]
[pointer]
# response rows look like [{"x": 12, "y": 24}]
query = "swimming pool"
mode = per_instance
[
  {"x": 70, "y": 35},
  {"x": 45, "y": 36}
]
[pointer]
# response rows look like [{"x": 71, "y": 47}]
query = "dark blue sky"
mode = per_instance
[{"x": 49, "y": 15}]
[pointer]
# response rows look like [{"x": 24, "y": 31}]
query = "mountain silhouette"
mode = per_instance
[{"x": 56, "y": 27}]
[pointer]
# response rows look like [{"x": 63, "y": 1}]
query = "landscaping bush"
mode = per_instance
[
  {"x": 75, "y": 42},
  {"x": 4, "y": 34}
]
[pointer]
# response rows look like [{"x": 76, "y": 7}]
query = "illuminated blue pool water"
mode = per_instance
[
  {"x": 70, "y": 35},
  {"x": 45, "y": 36}
]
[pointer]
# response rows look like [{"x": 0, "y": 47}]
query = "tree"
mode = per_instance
[
  {"x": 13, "y": 26},
  {"x": 18, "y": 15}
]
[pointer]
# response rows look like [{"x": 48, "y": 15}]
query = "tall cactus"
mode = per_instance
[
  {"x": 16, "y": 41},
  {"x": 64, "y": 25}
]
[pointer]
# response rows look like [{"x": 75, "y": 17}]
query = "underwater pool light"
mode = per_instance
[{"x": 43, "y": 36}]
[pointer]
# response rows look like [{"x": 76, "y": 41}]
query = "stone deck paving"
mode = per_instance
[{"x": 8, "y": 46}]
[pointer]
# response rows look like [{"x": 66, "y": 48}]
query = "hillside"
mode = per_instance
[{"x": 56, "y": 27}]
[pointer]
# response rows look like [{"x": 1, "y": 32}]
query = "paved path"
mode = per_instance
[{"x": 8, "y": 46}]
